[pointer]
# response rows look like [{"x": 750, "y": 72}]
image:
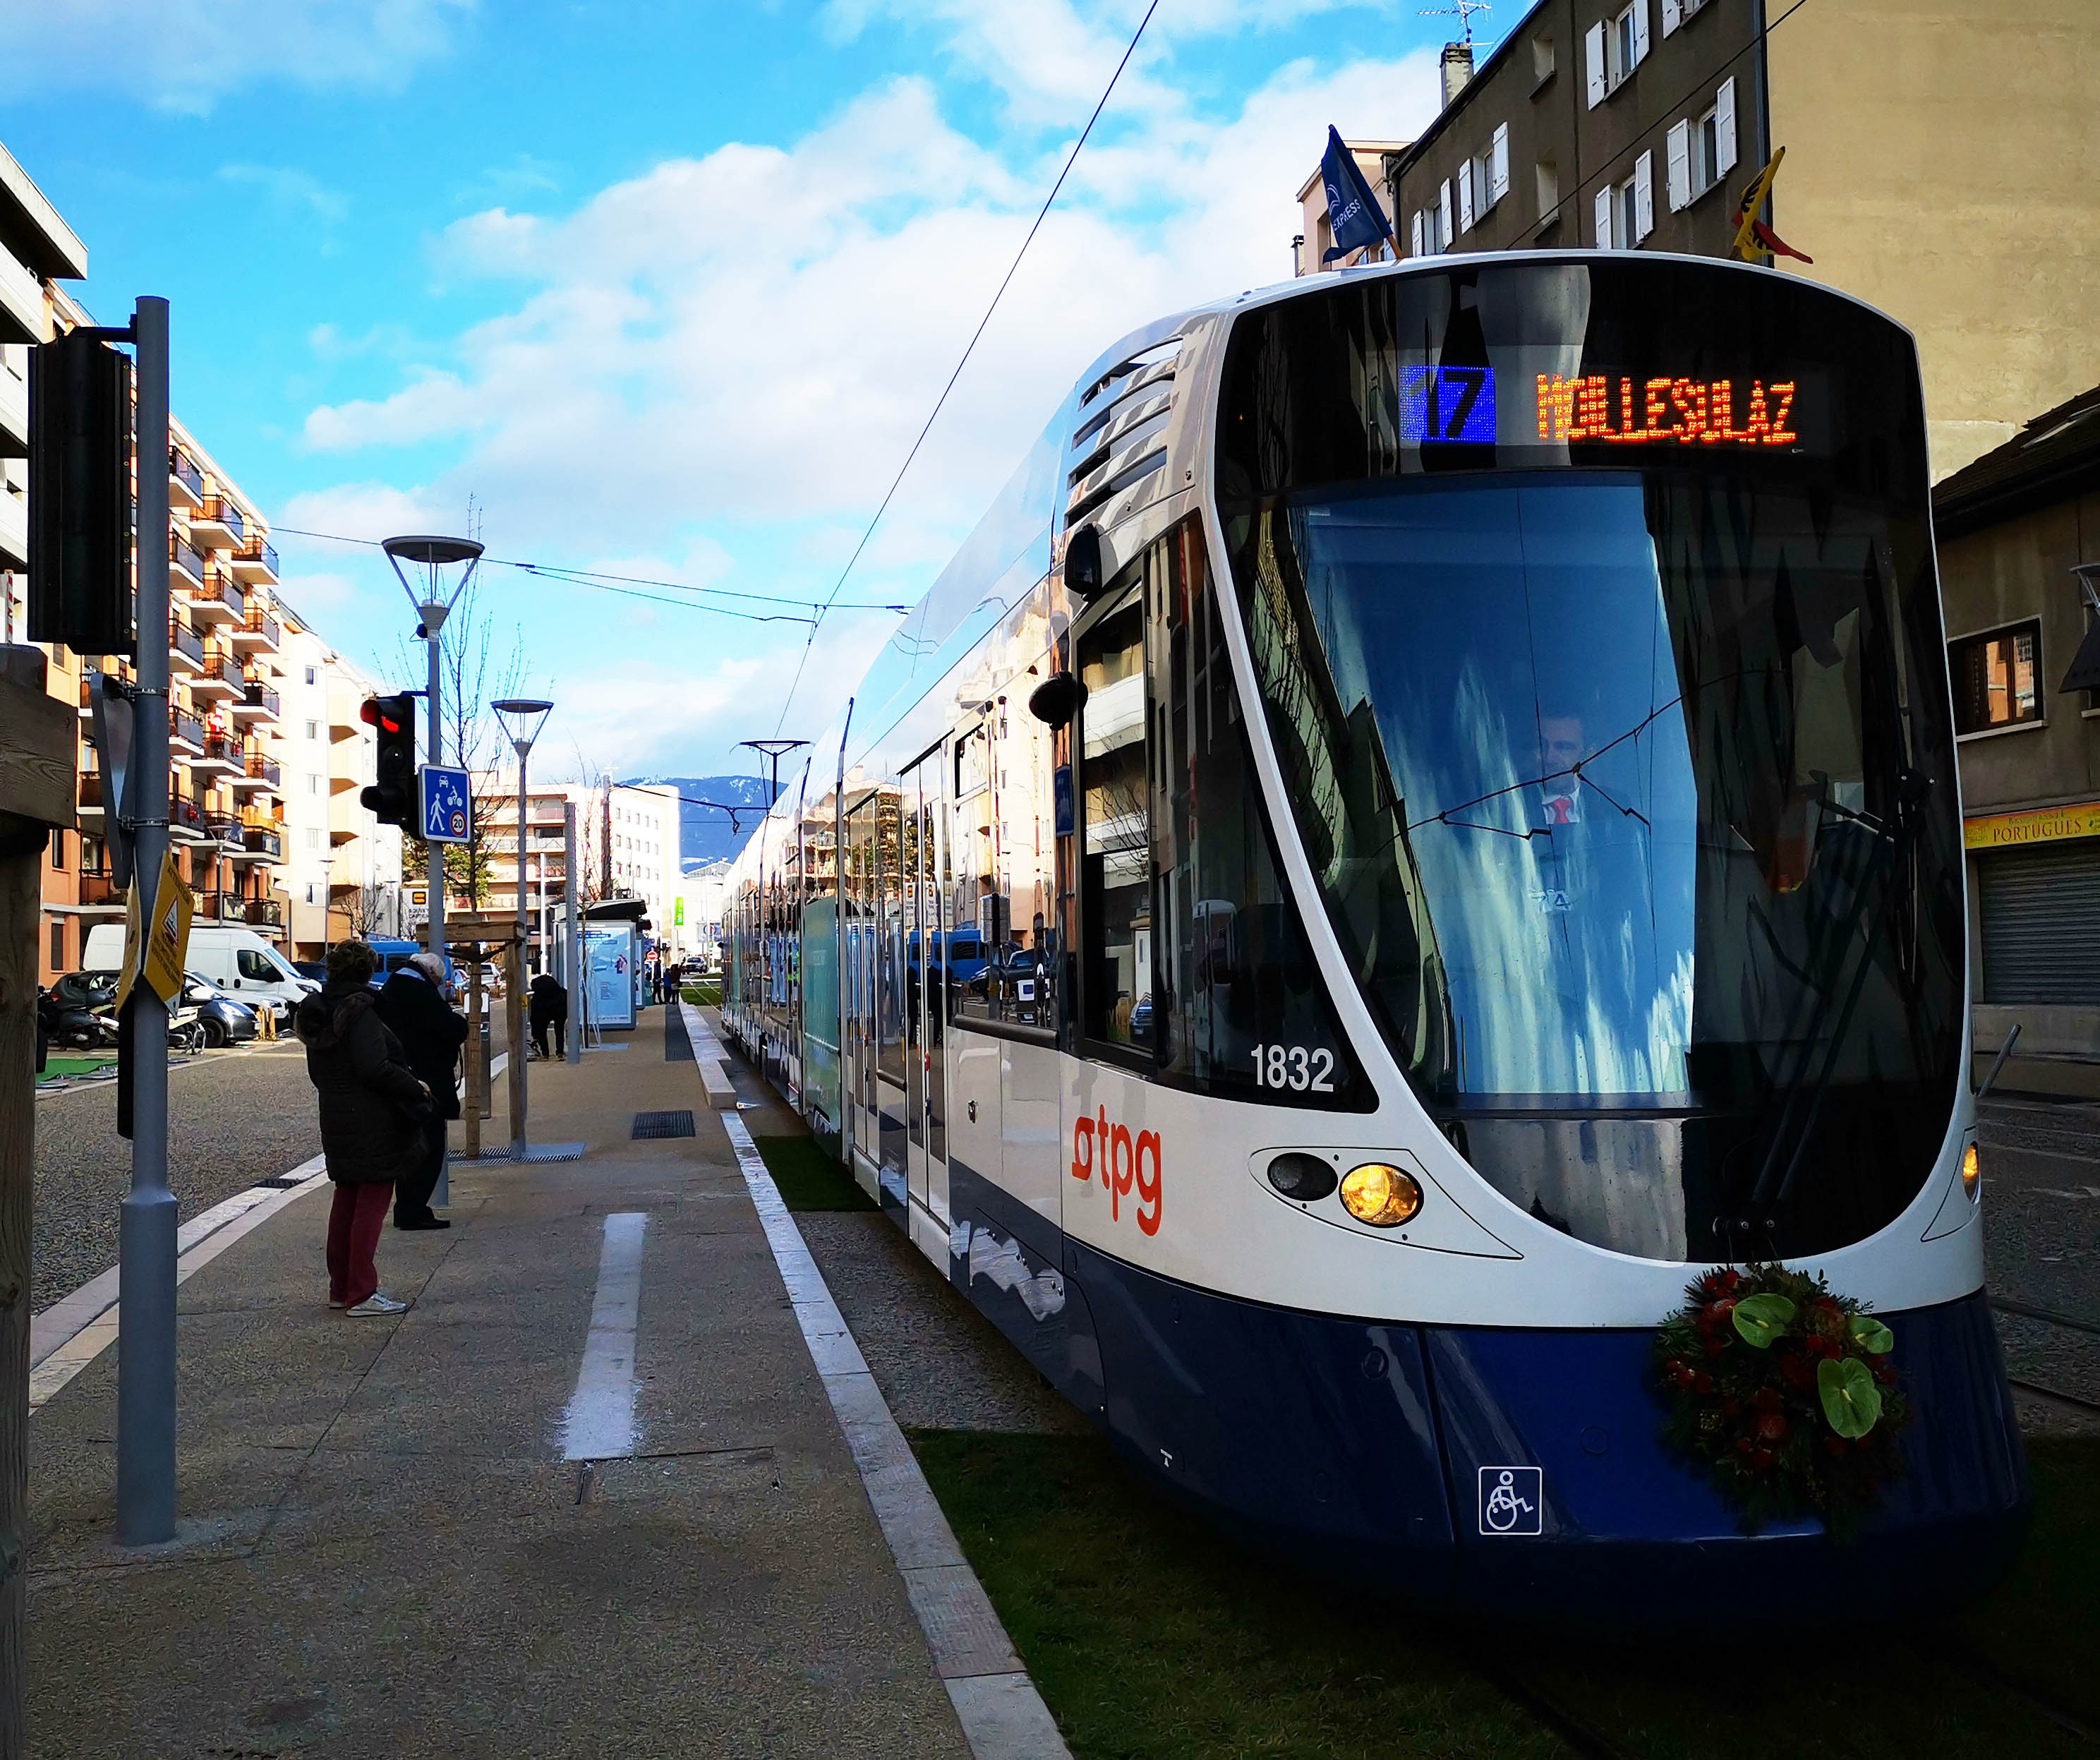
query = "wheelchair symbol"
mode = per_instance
[{"x": 1511, "y": 1500}]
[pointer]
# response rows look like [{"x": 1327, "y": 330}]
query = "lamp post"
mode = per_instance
[{"x": 522, "y": 718}]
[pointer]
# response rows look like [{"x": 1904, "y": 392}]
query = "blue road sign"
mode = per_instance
[{"x": 448, "y": 806}]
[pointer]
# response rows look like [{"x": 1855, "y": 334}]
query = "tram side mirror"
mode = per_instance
[
  {"x": 1082, "y": 563},
  {"x": 1057, "y": 699}
]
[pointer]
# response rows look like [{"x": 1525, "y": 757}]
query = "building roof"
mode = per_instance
[
  {"x": 31, "y": 229},
  {"x": 1482, "y": 69},
  {"x": 2054, "y": 457}
]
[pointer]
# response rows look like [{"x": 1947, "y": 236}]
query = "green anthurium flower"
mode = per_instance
[
  {"x": 1760, "y": 1319},
  {"x": 1850, "y": 1400},
  {"x": 1870, "y": 1334}
]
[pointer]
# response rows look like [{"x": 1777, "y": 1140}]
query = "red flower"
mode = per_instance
[
  {"x": 1834, "y": 1445},
  {"x": 1730, "y": 1406},
  {"x": 1703, "y": 1382},
  {"x": 1721, "y": 1310},
  {"x": 1743, "y": 1445},
  {"x": 1795, "y": 1369},
  {"x": 1767, "y": 1400},
  {"x": 1761, "y": 1460},
  {"x": 1772, "y": 1427},
  {"x": 1714, "y": 1347}
]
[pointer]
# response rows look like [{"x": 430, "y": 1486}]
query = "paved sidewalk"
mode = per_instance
[{"x": 383, "y": 1552}]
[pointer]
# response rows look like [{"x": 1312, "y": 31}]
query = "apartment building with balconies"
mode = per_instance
[{"x": 627, "y": 846}]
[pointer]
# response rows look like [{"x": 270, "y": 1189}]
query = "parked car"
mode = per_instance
[
  {"x": 224, "y": 1021},
  {"x": 315, "y": 969}
]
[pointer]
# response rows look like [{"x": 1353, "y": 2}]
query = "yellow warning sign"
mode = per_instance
[
  {"x": 132, "y": 915},
  {"x": 168, "y": 933}
]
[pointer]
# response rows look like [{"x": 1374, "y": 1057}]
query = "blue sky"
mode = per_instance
[{"x": 667, "y": 289}]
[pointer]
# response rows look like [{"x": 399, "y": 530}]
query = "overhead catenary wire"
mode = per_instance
[{"x": 888, "y": 495}]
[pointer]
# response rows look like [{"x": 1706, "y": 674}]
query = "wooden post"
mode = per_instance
[
  {"x": 38, "y": 736},
  {"x": 513, "y": 1021},
  {"x": 471, "y": 1111}
]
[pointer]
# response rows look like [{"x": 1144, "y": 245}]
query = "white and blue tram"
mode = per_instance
[{"x": 1426, "y": 813}]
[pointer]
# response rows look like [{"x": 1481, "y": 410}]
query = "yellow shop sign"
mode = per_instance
[{"x": 2010, "y": 831}]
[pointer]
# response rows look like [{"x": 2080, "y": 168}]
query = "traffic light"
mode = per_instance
[
  {"x": 392, "y": 796},
  {"x": 79, "y": 498}
]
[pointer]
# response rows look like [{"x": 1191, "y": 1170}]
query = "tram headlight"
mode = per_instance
[
  {"x": 1306, "y": 1178},
  {"x": 1972, "y": 1173},
  {"x": 1381, "y": 1194}
]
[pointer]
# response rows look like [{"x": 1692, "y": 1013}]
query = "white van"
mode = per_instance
[{"x": 239, "y": 961}]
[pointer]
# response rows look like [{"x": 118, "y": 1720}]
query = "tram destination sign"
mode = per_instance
[{"x": 1623, "y": 410}]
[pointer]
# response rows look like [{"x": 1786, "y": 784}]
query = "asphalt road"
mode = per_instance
[{"x": 234, "y": 1117}]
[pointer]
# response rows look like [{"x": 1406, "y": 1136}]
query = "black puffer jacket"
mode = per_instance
[
  {"x": 365, "y": 1087},
  {"x": 431, "y": 1033}
]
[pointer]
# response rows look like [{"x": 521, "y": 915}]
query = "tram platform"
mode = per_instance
[{"x": 385, "y": 1548}]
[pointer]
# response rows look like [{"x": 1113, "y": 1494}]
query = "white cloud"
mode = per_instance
[
  {"x": 290, "y": 187},
  {"x": 184, "y": 56}
]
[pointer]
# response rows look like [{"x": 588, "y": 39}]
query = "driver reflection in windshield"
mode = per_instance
[{"x": 1560, "y": 750}]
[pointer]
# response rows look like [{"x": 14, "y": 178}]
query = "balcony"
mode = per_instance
[
  {"x": 185, "y": 567},
  {"x": 225, "y": 831},
  {"x": 14, "y": 412},
  {"x": 186, "y": 823},
  {"x": 185, "y": 649},
  {"x": 214, "y": 907},
  {"x": 262, "y": 843},
  {"x": 256, "y": 563},
  {"x": 217, "y": 525},
  {"x": 99, "y": 892},
  {"x": 222, "y": 756},
  {"x": 218, "y": 599},
  {"x": 257, "y": 702},
  {"x": 91, "y": 793},
  {"x": 185, "y": 735},
  {"x": 258, "y": 774},
  {"x": 218, "y": 680},
  {"x": 185, "y": 483},
  {"x": 259, "y": 633},
  {"x": 263, "y": 913}
]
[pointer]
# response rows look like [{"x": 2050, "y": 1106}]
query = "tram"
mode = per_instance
[{"x": 1425, "y": 815}]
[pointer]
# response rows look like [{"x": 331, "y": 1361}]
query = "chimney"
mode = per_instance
[{"x": 1457, "y": 69}]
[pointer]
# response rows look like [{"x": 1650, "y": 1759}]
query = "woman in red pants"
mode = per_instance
[{"x": 373, "y": 1113}]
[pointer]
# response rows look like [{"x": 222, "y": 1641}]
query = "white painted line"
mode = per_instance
[
  {"x": 73, "y": 1331},
  {"x": 1003, "y": 1715},
  {"x": 599, "y": 1423}
]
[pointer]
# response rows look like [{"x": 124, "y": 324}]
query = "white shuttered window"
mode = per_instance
[
  {"x": 1605, "y": 217},
  {"x": 1417, "y": 235},
  {"x": 1680, "y": 165},
  {"x": 1444, "y": 215},
  {"x": 1724, "y": 129},
  {"x": 1466, "y": 196},
  {"x": 1593, "y": 49},
  {"x": 1672, "y": 16},
  {"x": 1643, "y": 197},
  {"x": 1498, "y": 165},
  {"x": 1640, "y": 32}
]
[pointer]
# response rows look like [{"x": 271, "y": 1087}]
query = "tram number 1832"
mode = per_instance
[{"x": 1302, "y": 1068}]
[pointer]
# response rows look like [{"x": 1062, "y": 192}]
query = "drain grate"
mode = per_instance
[
  {"x": 284, "y": 1182},
  {"x": 662, "y": 1124}
]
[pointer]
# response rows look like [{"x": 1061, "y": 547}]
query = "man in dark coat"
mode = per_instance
[
  {"x": 412, "y": 1003},
  {"x": 372, "y": 1104},
  {"x": 550, "y": 1009}
]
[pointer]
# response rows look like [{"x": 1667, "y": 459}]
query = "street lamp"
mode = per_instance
[
  {"x": 432, "y": 555},
  {"x": 522, "y": 718}
]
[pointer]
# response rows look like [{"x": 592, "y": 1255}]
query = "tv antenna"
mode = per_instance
[{"x": 1463, "y": 11}]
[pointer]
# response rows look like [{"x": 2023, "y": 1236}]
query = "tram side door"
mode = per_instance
[{"x": 926, "y": 873}]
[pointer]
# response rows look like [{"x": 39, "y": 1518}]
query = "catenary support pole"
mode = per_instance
[
  {"x": 146, "y": 1273},
  {"x": 572, "y": 957}
]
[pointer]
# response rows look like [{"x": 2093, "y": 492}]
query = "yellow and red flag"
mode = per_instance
[{"x": 1754, "y": 239}]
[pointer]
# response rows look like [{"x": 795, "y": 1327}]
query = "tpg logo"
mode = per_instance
[{"x": 1122, "y": 1166}]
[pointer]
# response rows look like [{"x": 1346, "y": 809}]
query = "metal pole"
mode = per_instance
[
  {"x": 517, "y": 1008},
  {"x": 572, "y": 958},
  {"x": 434, "y": 873},
  {"x": 145, "y": 1274}
]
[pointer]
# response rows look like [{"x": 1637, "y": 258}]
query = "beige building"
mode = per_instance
[
  {"x": 627, "y": 845},
  {"x": 1939, "y": 161},
  {"x": 1316, "y": 235}
]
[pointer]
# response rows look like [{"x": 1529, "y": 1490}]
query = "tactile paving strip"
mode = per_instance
[{"x": 662, "y": 1124}]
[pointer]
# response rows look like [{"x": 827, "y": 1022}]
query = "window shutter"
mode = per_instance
[
  {"x": 1443, "y": 214},
  {"x": 1605, "y": 217},
  {"x": 1466, "y": 196},
  {"x": 1724, "y": 129},
  {"x": 1640, "y": 32},
  {"x": 1680, "y": 165},
  {"x": 1644, "y": 196},
  {"x": 1673, "y": 16},
  {"x": 1498, "y": 165},
  {"x": 1593, "y": 47},
  {"x": 1417, "y": 235}
]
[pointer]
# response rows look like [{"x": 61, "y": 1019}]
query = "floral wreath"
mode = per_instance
[{"x": 1784, "y": 1392}]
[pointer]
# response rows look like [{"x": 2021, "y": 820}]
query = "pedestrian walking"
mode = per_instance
[
  {"x": 412, "y": 1003},
  {"x": 372, "y": 1110},
  {"x": 550, "y": 1010}
]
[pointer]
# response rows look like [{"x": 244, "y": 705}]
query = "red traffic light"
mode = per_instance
[{"x": 373, "y": 714}]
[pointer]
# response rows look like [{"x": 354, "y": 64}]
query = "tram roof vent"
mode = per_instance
[{"x": 1122, "y": 431}]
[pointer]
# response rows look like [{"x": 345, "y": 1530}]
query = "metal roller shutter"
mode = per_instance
[{"x": 2041, "y": 924}]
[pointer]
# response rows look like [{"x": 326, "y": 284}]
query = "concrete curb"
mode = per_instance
[{"x": 1002, "y": 1716}]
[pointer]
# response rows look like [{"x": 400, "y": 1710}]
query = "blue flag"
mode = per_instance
[{"x": 1353, "y": 210}]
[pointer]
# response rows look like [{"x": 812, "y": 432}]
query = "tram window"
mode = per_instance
[
  {"x": 1116, "y": 862},
  {"x": 977, "y": 917},
  {"x": 1022, "y": 959},
  {"x": 1241, "y": 1006}
]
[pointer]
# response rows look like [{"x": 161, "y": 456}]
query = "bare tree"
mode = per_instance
[{"x": 366, "y": 910}]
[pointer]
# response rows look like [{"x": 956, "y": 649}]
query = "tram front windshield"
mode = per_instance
[{"x": 1624, "y": 763}]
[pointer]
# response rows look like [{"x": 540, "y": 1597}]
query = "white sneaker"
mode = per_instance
[{"x": 378, "y": 1303}]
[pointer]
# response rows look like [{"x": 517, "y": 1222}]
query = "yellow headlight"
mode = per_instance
[
  {"x": 1972, "y": 1172},
  {"x": 1382, "y": 1195}
]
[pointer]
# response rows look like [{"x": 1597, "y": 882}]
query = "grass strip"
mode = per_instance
[
  {"x": 807, "y": 1176},
  {"x": 1152, "y": 1636},
  {"x": 702, "y": 996}
]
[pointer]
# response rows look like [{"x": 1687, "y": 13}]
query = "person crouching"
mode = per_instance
[{"x": 373, "y": 1109}]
